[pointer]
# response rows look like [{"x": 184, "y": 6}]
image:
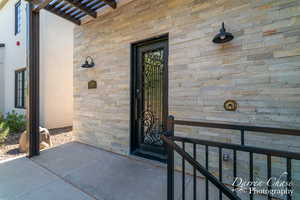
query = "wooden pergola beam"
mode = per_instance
[
  {"x": 84, "y": 9},
  {"x": 41, "y": 5},
  {"x": 111, "y": 3},
  {"x": 62, "y": 14},
  {"x": 92, "y": 4},
  {"x": 71, "y": 6},
  {"x": 99, "y": 6},
  {"x": 88, "y": 2}
]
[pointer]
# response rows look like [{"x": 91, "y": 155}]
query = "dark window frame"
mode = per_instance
[
  {"x": 17, "y": 6},
  {"x": 21, "y": 104}
]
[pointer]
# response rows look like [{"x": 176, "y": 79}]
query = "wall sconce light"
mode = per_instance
[
  {"x": 223, "y": 36},
  {"x": 89, "y": 62},
  {"x": 230, "y": 105}
]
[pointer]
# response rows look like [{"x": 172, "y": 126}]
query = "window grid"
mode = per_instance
[
  {"x": 20, "y": 77},
  {"x": 18, "y": 17}
]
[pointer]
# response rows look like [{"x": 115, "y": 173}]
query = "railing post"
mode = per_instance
[
  {"x": 170, "y": 192},
  {"x": 242, "y": 137},
  {"x": 170, "y": 152}
]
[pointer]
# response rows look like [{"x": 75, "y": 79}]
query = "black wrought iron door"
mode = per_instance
[{"x": 150, "y": 97}]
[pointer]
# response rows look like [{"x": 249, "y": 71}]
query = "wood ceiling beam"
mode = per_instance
[
  {"x": 62, "y": 14},
  {"x": 58, "y": 5},
  {"x": 41, "y": 5},
  {"x": 87, "y": 2},
  {"x": 92, "y": 4},
  {"x": 111, "y": 3},
  {"x": 99, "y": 6},
  {"x": 84, "y": 9}
]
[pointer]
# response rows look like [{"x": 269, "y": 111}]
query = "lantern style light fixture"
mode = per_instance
[
  {"x": 89, "y": 62},
  {"x": 223, "y": 36}
]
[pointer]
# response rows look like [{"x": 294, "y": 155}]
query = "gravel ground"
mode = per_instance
[{"x": 10, "y": 148}]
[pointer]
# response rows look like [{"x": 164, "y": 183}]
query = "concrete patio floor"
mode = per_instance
[{"x": 78, "y": 171}]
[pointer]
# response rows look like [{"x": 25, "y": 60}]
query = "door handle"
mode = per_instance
[
  {"x": 138, "y": 92},
  {"x": 136, "y": 111},
  {"x": 136, "y": 103}
]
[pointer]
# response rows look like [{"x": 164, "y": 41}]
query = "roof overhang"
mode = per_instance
[{"x": 73, "y": 10}]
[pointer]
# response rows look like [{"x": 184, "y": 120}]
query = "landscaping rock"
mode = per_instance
[{"x": 45, "y": 140}]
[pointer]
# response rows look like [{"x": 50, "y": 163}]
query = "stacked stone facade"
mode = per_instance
[{"x": 260, "y": 68}]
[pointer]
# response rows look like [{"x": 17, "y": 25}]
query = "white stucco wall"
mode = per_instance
[
  {"x": 14, "y": 56},
  {"x": 56, "y": 73},
  {"x": 56, "y": 64},
  {"x": 1, "y": 79}
]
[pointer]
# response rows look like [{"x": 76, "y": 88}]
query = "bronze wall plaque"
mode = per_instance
[
  {"x": 230, "y": 105},
  {"x": 92, "y": 84}
]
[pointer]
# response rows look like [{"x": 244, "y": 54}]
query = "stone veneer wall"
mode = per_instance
[{"x": 260, "y": 68}]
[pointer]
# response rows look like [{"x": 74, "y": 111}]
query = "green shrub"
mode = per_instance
[
  {"x": 15, "y": 122},
  {"x": 4, "y": 131},
  {"x": 1, "y": 117}
]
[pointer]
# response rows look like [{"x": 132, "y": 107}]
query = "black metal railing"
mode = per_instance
[{"x": 171, "y": 145}]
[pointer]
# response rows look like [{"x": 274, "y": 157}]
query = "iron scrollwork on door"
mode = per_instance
[{"x": 153, "y": 88}]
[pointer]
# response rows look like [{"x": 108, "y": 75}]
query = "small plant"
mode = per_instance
[
  {"x": 16, "y": 122},
  {"x": 1, "y": 117},
  {"x": 4, "y": 131}
]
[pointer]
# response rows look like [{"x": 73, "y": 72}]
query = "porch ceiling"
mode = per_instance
[{"x": 73, "y": 10}]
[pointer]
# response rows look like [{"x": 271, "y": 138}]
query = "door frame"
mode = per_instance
[{"x": 133, "y": 64}]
